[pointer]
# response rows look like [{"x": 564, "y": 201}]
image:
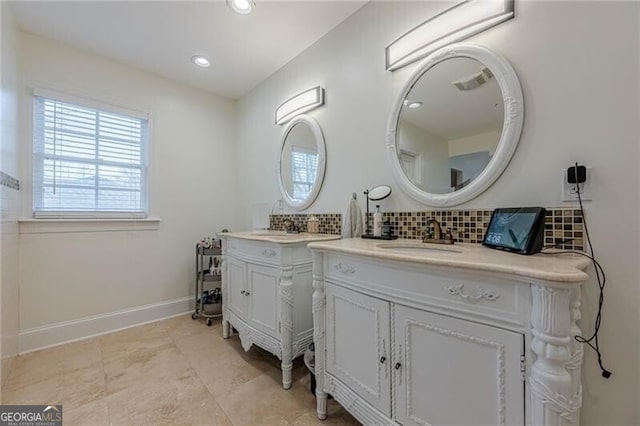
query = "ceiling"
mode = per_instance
[
  {"x": 450, "y": 113},
  {"x": 162, "y": 36}
]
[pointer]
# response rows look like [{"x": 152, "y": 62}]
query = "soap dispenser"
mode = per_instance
[{"x": 377, "y": 222}]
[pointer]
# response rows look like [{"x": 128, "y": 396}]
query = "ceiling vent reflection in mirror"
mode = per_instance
[
  {"x": 299, "y": 104},
  {"x": 457, "y": 23},
  {"x": 474, "y": 81}
]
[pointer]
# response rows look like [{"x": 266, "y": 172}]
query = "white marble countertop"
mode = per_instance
[
  {"x": 279, "y": 237},
  {"x": 560, "y": 268}
]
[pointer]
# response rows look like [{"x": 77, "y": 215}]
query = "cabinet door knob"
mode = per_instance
[
  {"x": 242, "y": 292},
  {"x": 397, "y": 366},
  {"x": 246, "y": 293},
  {"x": 382, "y": 359}
]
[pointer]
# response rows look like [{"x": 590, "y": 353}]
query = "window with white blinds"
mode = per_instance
[
  {"x": 304, "y": 166},
  {"x": 88, "y": 162}
]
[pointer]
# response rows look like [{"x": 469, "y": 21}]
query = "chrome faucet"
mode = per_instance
[
  {"x": 291, "y": 227},
  {"x": 437, "y": 229},
  {"x": 437, "y": 237}
]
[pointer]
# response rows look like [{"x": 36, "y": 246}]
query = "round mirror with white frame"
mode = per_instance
[
  {"x": 455, "y": 125},
  {"x": 301, "y": 162}
]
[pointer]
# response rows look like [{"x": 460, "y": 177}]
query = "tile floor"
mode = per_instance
[{"x": 176, "y": 371}]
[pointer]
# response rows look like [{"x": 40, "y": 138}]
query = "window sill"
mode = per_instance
[{"x": 48, "y": 226}]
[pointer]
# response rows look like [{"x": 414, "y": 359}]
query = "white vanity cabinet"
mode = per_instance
[
  {"x": 358, "y": 352},
  {"x": 267, "y": 291},
  {"x": 448, "y": 359},
  {"x": 235, "y": 299},
  {"x": 254, "y": 295},
  {"x": 470, "y": 372},
  {"x": 426, "y": 340}
]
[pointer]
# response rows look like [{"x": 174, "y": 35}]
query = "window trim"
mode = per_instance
[
  {"x": 88, "y": 101},
  {"x": 63, "y": 226}
]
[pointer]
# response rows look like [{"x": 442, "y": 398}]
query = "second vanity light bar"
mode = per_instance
[{"x": 299, "y": 104}]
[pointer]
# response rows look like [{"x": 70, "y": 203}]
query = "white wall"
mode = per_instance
[
  {"x": 67, "y": 276},
  {"x": 475, "y": 143},
  {"x": 433, "y": 155},
  {"x": 578, "y": 66},
  {"x": 9, "y": 198}
]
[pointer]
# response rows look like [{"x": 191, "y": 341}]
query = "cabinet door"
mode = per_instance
[
  {"x": 236, "y": 285},
  {"x": 451, "y": 371},
  {"x": 358, "y": 351},
  {"x": 263, "y": 294}
]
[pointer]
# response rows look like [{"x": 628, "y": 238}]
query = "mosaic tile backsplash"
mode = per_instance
[
  {"x": 329, "y": 223},
  {"x": 563, "y": 226}
]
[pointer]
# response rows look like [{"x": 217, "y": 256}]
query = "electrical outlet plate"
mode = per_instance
[{"x": 569, "y": 189}]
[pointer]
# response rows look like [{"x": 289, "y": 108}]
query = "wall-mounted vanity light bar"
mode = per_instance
[
  {"x": 299, "y": 104},
  {"x": 462, "y": 21}
]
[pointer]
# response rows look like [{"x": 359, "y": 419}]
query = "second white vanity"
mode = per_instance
[
  {"x": 421, "y": 334},
  {"x": 266, "y": 285}
]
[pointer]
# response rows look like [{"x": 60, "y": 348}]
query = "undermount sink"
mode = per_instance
[
  {"x": 282, "y": 236},
  {"x": 267, "y": 233},
  {"x": 418, "y": 248},
  {"x": 277, "y": 235}
]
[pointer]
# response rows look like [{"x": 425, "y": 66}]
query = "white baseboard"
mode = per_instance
[{"x": 69, "y": 331}]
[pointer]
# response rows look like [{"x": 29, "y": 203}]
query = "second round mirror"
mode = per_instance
[{"x": 301, "y": 162}]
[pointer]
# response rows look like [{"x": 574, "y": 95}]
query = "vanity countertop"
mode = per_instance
[
  {"x": 280, "y": 237},
  {"x": 559, "y": 268}
]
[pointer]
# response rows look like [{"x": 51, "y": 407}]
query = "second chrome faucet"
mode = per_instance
[{"x": 290, "y": 227}]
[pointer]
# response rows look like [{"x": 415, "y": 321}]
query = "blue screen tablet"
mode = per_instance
[{"x": 519, "y": 230}]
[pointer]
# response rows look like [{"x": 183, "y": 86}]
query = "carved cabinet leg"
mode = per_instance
[
  {"x": 224, "y": 284},
  {"x": 321, "y": 404},
  {"x": 287, "y": 367},
  {"x": 318, "y": 307},
  {"x": 286, "y": 326},
  {"x": 574, "y": 365},
  {"x": 226, "y": 329},
  {"x": 553, "y": 387}
]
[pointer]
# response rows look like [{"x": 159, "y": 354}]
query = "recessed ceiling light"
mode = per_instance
[
  {"x": 242, "y": 7},
  {"x": 414, "y": 105},
  {"x": 200, "y": 61}
]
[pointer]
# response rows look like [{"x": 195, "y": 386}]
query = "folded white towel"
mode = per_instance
[{"x": 352, "y": 220}]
